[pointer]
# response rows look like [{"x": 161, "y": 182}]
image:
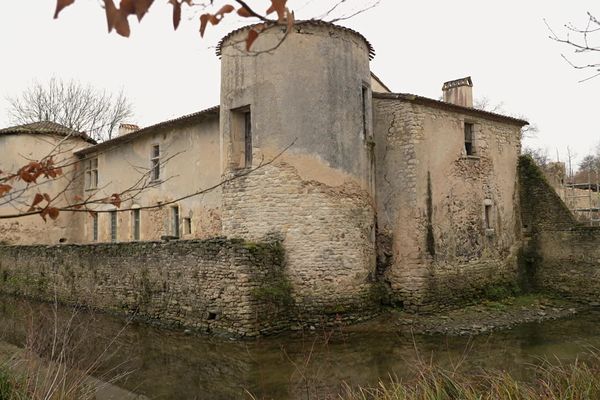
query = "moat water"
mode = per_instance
[{"x": 164, "y": 364}]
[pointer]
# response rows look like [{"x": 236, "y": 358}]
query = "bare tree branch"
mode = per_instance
[{"x": 69, "y": 103}]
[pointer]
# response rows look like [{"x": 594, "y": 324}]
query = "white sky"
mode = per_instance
[{"x": 504, "y": 46}]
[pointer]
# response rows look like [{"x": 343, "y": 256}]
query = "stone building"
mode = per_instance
[{"x": 366, "y": 189}]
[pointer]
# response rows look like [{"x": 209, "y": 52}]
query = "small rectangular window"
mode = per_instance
[
  {"x": 135, "y": 215},
  {"x": 113, "y": 226},
  {"x": 469, "y": 139},
  {"x": 187, "y": 225},
  {"x": 488, "y": 216},
  {"x": 175, "y": 221},
  {"x": 155, "y": 163},
  {"x": 95, "y": 227},
  {"x": 91, "y": 173}
]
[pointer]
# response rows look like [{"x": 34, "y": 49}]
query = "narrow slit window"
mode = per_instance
[
  {"x": 364, "y": 99},
  {"x": 175, "y": 221},
  {"x": 95, "y": 227},
  {"x": 488, "y": 216},
  {"x": 247, "y": 139},
  {"x": 155, "y": 163},
  {"x": 113, "y": 226},
  {"x": 136, "y": 215},
  {"x": 469, "y": 139}
]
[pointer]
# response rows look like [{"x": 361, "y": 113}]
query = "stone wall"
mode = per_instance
[
  {"x": 439, "y": 245},
  {"x": 217, "y": 285},
  {"x": 560, "y": 255},
  {"x": 327, "y": 231}
]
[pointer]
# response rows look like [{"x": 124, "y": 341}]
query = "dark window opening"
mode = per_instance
[
  {"x": 95, "y": 227},
  {"x": 212, "y": 316},
  {"x": 248, "y": 139},
  {"x": 187, "y": 226},
  {"x": 469, "y": 139},
  {"x": 175, "y": 214},
  {"x": 364, "y": 98}
]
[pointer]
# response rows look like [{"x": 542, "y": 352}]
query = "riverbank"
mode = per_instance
[{"x": 485, "y": 317}]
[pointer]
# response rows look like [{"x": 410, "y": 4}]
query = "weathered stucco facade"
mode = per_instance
[
  {"x": 448, "y": 222},
  {"x": 371, "y": 194}
]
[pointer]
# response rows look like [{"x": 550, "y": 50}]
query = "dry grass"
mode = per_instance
[{"x": 553, "y": 380}]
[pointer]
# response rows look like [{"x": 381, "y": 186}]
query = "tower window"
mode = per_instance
[
  {"x": 241, "y": 138},
  {"x": 365, "y": 99}
]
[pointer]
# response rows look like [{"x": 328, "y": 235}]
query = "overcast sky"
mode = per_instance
[{"x": 504, "y": 46}]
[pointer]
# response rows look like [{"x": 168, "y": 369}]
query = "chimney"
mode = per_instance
[
  {"x": 459, "y": 92},
  {"x": 124, "y": 129}
]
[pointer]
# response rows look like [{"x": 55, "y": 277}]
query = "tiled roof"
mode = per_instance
[
  {"x": 133, "y": 135},
  {"x": 313, "y": 22},
  {"x": 451, "y": 107},
  {"x": 45, "y": 127}
]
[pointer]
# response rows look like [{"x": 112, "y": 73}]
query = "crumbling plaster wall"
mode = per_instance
[
  {"x": 19, "y": 150},
  {"x": 306, "y": 108},
  {"x": 189, "y": 155},
  {"x": 436, "y": 248}
]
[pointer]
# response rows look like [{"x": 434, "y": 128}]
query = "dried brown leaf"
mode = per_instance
[{"x": 60, "y": 4}]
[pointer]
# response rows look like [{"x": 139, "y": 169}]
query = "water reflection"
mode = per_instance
[{"x": 172, "y": 365}]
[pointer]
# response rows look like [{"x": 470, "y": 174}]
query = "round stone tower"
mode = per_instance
[{"x": 301, "y": 102}]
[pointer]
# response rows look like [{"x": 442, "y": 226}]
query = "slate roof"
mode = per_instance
[{"x": 46, "y": 128}]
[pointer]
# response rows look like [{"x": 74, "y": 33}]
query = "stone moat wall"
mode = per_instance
[
  {"x": 217, "y": 285},
  {"x": 560, "y": 255}
]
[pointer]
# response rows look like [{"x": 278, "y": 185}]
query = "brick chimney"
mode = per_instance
[
  {"x": 459, "y": 92},
  {"x": 124, "y": 129}
]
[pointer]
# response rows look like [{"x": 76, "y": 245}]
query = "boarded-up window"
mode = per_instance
[{"x": 241, "y": 138}]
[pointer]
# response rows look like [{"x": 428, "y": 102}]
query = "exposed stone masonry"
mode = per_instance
[
  {"x": 327, "y": 232},
  {"x": 217, "y": 285}
]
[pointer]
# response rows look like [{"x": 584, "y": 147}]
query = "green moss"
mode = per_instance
[
  {"x": 277, "y": 292},
  {"x": 499, "y": 292}
]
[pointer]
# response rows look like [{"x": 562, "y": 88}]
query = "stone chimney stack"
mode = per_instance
[
  {"x": 459, "y": 92},
  {"x": 124, "y": 129}
]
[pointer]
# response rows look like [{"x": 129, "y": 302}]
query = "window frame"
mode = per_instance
[
  {"x": 469, "y": 139},
  {"x": 114, "y": 226},
  {"x": 95, "y": 227},
  {"x": 91, "y": 173},
  {"x": 136, "y": 224},
  {"x": 175, "y": 217},
  {"x": 155, "y": 163}
]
